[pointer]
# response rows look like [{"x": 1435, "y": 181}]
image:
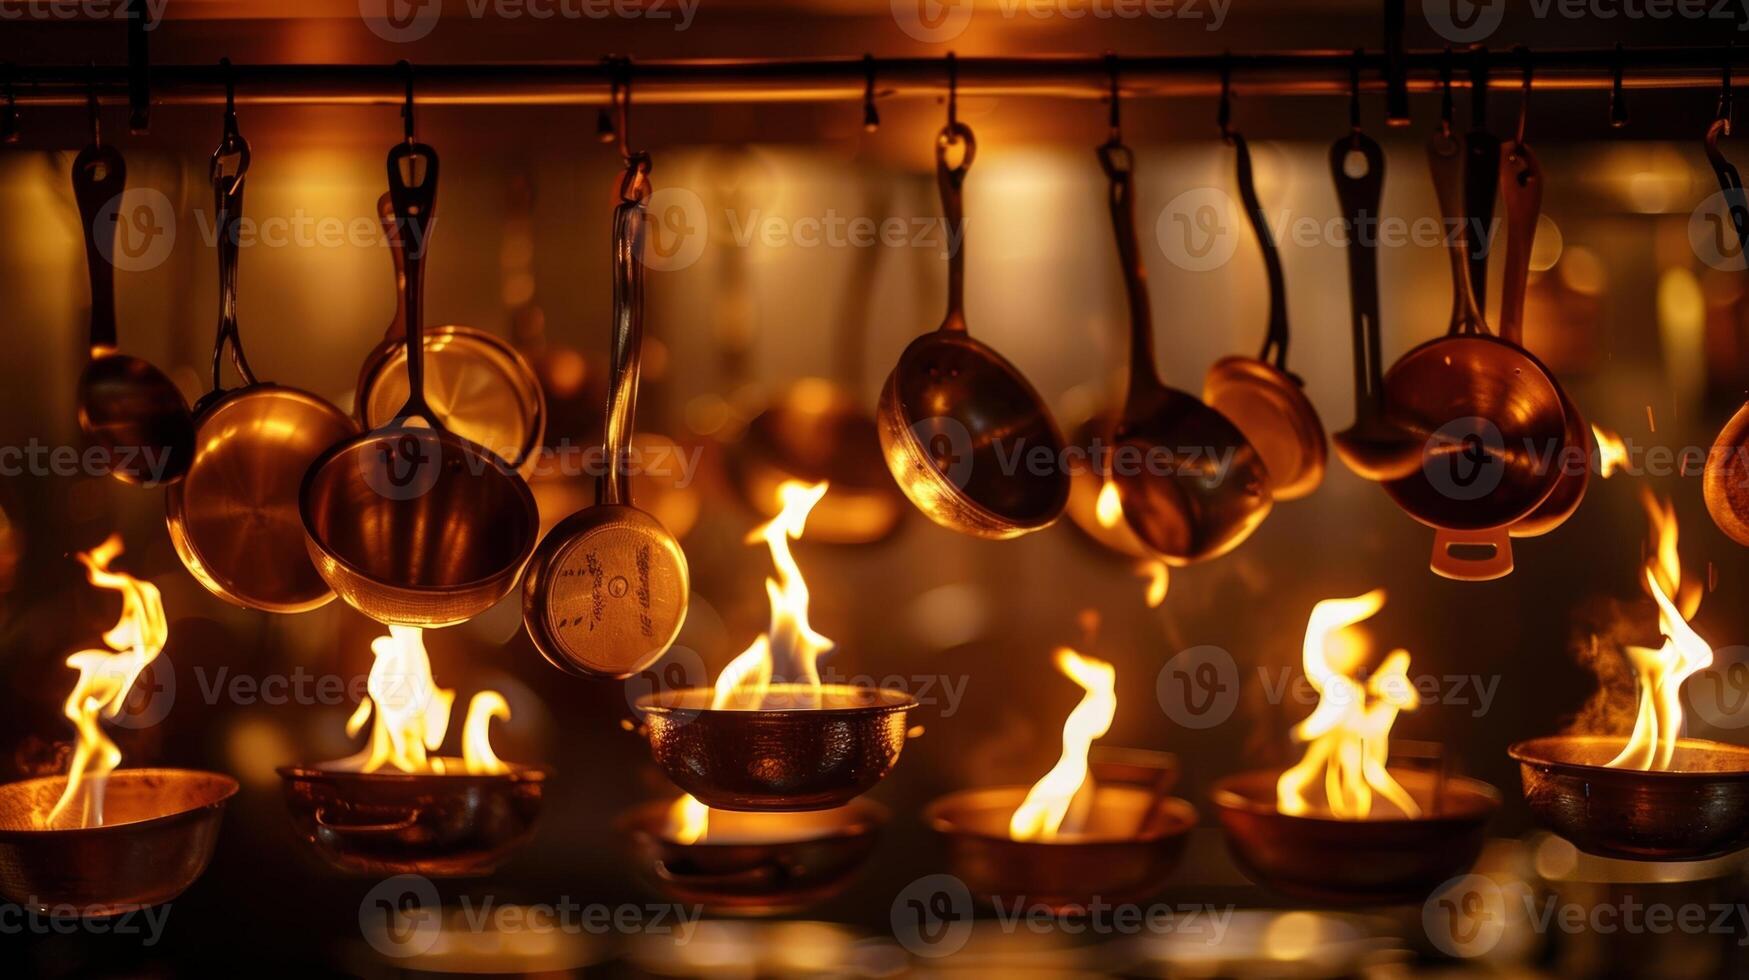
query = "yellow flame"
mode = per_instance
[
  {"x": 1041, "y": 815},
  {"x": 790, "y": 647},
  {"x": 1348, "y": 733},
  {"x": 1612, "y": 452},
  {"x": 1109, "y": 507},
  {"x": 1683, "y": 653},
  {"x": 1155, "y": 573},
  {"x": 411, "y": 713},
  {"x": 105, "y": 678}
]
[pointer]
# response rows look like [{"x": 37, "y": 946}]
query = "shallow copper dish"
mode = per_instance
[
  {"x": 159, "y": 831},
  {"x": 1698, "y": 810},
  {"x": 1356, "y": 862},
  {"x": 1132, "y": 843},
  {"x": 757, "y": 863},
  {"x": 432, "y": 824},
  {"x": 777, "y": 758}
]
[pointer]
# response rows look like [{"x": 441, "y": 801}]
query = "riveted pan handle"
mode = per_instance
[
  {"x": 628, "y": 329},
  {"x": 230, "y": 164},
  {"x": 1521, "y": 181},
  {"x": 950, "y": 179},
  {"x": 99, "y": 177},
  {"x": 413, "y": 192},
  {"x": 1120, "y": 167}
]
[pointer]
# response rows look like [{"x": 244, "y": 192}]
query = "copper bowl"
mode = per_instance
[
  {"x": 807, "y": 750},
  {"x": 1697, "y": 810},
  {"x": 1132, "y": 842},
  {"x": 757, "y": 863},
  {"x": 434, "y": 824},
  {"x": 159, "y": 831},
  {"x": 1356, "y": 862}
]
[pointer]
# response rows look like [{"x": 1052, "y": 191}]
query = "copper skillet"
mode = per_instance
[
  {"x": 1259, "y": 394},
  {"x": 607, "y": 591},
  {"x": 234, "y": 517},
  {"x": 955, "y": 416},
  {"x": 1725, "y": 481},
  {"x": 1212, "y": 490},
  {"x": 126, "y": 405},
  {"x": 1489, "y": 412},
  {"x": 414, "y": 525},
  {"x": 482, "y": 388}
]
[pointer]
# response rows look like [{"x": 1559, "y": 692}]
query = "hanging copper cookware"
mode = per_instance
[
  {"x": 1725, "y": 482},
  {"x": 1490, "y": 414},
  {"x": 414, "y": 525},
  {"x": 234, "y": 517},
  {"x": 1258, "y": 394},
  {"x": 607, "y": 591},
  {"x": 477, "y": 384},
  {"x": 126, "y": 406},
  {"x": 957, "y": 421},
  {"x": 1191, "y": 486}
]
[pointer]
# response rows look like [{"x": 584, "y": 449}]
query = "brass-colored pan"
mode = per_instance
[
  {"x": 1725, "y": 481},
  {"x": 234, "y": 516}
]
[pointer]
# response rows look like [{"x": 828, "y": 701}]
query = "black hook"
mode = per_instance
[
  {"x": 91, "y": 109},
  {"x": 1618, "y": 103},
  {"x": 871, "y": 118},
  {"x": 1479, "y": 88},
  {"x": 1446, "y": 112},
  {"x": 1115, "y": 120},
  {"x": 605, "y": 132},
  {"x": 231, "y": 133},
  {"x": 9, "y": 121},
  {"x": 1724, "y": 112},
  {"x": 1224, "y": 111},
  {"x": 1354, "y": 90},
  {"x": 953, "y": 93},
  {"x": 407, "y": 105},
  {"x": 622, "y": 119},
  {"x": 1524, "y": 98}
]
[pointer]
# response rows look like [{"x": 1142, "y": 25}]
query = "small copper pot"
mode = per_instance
[
  {"x": 832, "y": 746},
  {"x": 1699, "y": 809},
  {"x": 432, "y": 824},
  {"x": 757, "y": 863},
  {"x": 159, "y": 829},
  {"x": 1132, "y": 842},
  {"x": 1356, "y": 862}
]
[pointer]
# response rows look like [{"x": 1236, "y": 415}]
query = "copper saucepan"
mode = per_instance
[
  {"x": 955, "y": 416},
  {"x": 607, "y": 591},
  {"x": 1725, "y": 481},
  {"x": 1489, "y": 412},
  {"x": 414, "y": 525},
  {"x": 234, "y": 516},
  {"x": 481, "y": 387}
]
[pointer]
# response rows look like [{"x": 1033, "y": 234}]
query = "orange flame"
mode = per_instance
[
  {"x": 790, "y": 647},
  {"x": 1109, "y": 507},
  {"x": 1348, "y": 733},
  {"x": 1042, "y": 814},
  {"x": 412, "y": 714},
  {"x": 1683, "y": 653},
  {"x": 1612, "y": 452},
  {"x": 1156, "y": 575},
  {"x": 105, "y": 678}
]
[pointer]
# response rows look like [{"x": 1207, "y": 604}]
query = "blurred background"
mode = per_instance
[{"x": 1647, "y": 336}]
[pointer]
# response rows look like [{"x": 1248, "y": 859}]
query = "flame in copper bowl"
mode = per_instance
[{"x": 159, "y": 829}]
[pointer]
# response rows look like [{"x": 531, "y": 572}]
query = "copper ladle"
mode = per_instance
[
  {"x": 1214, "y": 489},
  {"x": 607, "y": 591},
  {"x": 957, "y": 421},
  {"x": 126, "y": 405},
  {"x": 1725, "y": 481},
  {"x": 234, "y": 517}
]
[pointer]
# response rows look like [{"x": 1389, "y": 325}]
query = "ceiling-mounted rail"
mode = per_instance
[{"x": 846, "y": 79}]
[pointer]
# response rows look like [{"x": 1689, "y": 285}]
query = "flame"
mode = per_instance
[
  {"x": 1612, "y": 452},
  {"x": 1348, "y": 733},
  {"x": 1155, "y": 573},
  {"x": 1683, "y": 653},
  {"x": 412, "y": 713},
  {"x": 105, "y": 678},
  {"x": 1041, "y": 815},
  {"x": 789, "y": 648},
  {"x": 1109, "y": 507}
]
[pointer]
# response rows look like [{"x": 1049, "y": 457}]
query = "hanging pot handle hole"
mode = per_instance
[{"x": 1472, "y": 556}]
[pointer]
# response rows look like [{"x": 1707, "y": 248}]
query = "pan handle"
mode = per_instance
[
  {"x": 1120, "y": 167},
  {"x": 950, "y": 180},
  {"x": 368, "y": 829},
  {"x": 230, "y": 164},
  {"x": 1522, "y": 179},
  {"x": 99, "y": 177},
  {"x": 1361, "y": 195},
  {"x": 1275, "y": 342},
  {"x": 1730, "y": 182},
  {"x": 628, "y": 329},
  {"x": 1496, "y": 563},
  {"x": 413, "y": 191},
  {"x": 1445, "y": 159}
]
